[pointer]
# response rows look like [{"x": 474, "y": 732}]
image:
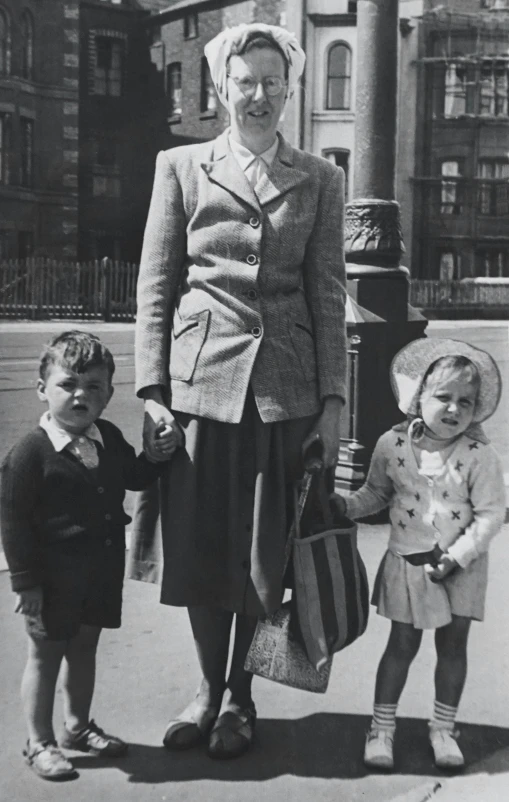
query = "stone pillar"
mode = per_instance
[{"x": 379, "y": 319}]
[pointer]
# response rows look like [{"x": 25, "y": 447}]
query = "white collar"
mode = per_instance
[
  {"x": 245, "y": 157},
  {"x": 60, "y": 438}
]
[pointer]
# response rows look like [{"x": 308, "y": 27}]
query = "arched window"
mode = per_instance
[
  {"x": 174, "y": 89},
  {"x": 339, "y": 66},
  {"x": 27, "y": 45},
  {"x": 5, "y": 43}
]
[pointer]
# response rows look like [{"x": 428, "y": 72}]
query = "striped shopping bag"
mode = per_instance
[{"x": 330, "y": 600}]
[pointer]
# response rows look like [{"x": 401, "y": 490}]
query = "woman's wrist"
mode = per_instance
[{"x": 333, "y": 404}]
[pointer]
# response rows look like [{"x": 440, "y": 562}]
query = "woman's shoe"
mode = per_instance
[
  {"x": 189, "y": 729},
  {"x": 48, "y": 762},
  {"x": 379, "y": 749},
  {"x": 233, "y": 733},
  {"x": 95, "y": 741}
]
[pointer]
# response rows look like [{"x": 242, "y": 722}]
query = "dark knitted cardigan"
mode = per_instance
[{"x": 49, "y": 496}]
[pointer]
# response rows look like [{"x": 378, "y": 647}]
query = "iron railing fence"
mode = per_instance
[
  {"x": 45, "y": 288},
  {"x": 40, "y": 289}
]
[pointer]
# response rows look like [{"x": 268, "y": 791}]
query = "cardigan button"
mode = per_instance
[
  {"x": 256, "y": 331},
  {"x": 108, "y": 542},
  {"x": 251, "y": 259},
  {"x": 254, "y": 222},
  {"x": 100, "y": 489},
  {"x": 252, "y": 295},
  {"x": 107, "y": 517}
]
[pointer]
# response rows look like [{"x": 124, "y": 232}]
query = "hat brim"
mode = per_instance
[{"x": 410, "y": 365}]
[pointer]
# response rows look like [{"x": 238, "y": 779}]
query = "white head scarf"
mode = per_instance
[{"x": 219, "y": 49}]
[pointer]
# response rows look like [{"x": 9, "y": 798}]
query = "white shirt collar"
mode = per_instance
[
  {"x": 60, "y": 438},
  {"x": 245, "y": 157}
]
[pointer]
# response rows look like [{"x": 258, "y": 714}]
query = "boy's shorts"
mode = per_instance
[{"x": 81, "y": 584}]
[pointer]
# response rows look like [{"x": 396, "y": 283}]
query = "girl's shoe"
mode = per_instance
[
  {"x": 447, "y": 753},
  {"x": 233, "y": 733},
  {"x": 379, "y": 749},
  {"x": 46, "y": 760},
  {"x": 95, "y": 741}
]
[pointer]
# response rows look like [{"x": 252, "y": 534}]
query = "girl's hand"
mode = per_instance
[
  {"x": 29, "y": 602},
  {"x": 327, "y": 431},
  {"x": 161, "y": 432},
  {"x": 445, "y": 566},
  {"x": 339, "y": 503}
]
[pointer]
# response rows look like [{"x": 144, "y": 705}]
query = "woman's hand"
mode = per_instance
[
  {"x": 161, "y": 432},
  {"x": 29, "y": 602},
  {"x": 327, "y": 431}
]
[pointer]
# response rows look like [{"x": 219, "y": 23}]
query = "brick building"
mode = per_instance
[
  {"x": 461, "y": 182},
  {"x": 38, "y": 127}
]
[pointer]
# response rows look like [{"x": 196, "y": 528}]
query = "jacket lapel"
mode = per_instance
[
  {"x": 281, "y": 177},
  {"x": 224, "y": 170}
]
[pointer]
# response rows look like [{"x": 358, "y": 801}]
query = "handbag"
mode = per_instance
[
  {"x": 331, "y": 594},
  {"x": 276, "y": 652}
]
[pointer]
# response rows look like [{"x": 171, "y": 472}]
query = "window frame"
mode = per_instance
[
  {"x": 26, "y": 167},
  {"x": 502, "y": 256},
  {"x": 5, "y": 148},
  {"x": 190, "y": 25},
  {"x": 346, "y": 77},
  {"x": 174, "y": 93},
  {"x": 207, "y": 91},
  {"x": 451, "y": 183},
  {"x": 28, "y": 48},
  {"x": 489, "y": 189},
  {"x": 102, "y": 85},
  {"x": 5, "y": 43}
]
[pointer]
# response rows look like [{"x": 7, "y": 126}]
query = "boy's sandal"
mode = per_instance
[
  {"x": 48, "y": 762},
  {"x": 189, "y": 730},
  {"x": 95, "y": 741},
  {"x": 232, "y": 734}
]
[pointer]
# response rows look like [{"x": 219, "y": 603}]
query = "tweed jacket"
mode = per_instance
[{"x": 238, "y": 287}]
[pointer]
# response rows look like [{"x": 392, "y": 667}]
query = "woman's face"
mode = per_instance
[{"x": 256, "y": 114}]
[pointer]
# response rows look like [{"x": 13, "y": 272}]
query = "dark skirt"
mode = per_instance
[{"x": 226, "y": 505}]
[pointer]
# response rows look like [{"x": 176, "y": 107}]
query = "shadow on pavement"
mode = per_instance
[{"x": 322, "y": 745}]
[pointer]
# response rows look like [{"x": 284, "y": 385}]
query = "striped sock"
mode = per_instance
[
  {"x": 384, "y": 716},
  {"x": 444, "y": 716}
]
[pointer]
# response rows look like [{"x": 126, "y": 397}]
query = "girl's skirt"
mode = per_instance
[
  {"x": 405, "y": 593},
  {"x": 226, "y": 506}
]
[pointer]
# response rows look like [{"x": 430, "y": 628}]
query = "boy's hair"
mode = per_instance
[
  {"x": 452, "y": 366},
  {"x": 77, "y": 351}
]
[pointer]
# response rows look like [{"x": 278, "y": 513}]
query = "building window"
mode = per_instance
[
  {"x": 5, "y": 245},
  {"x": 27, "y": 45},
  {"x": 208, "y": 96},
  {"x": 342, "y": 159},
  {"x": 457, "y": 100},
  {"x": 109, "y": 66},
  {"x": 174, "y": 89},
  {"x": 5, "y": 148},
  {"x": 449, "y": 265},
  {"x": 25, "y": 244},
  {"x": 450, "y": 190},
  {"x": 27, "y": 151},
  {"x": 492, "y": 262},
  {"x": 190, "y": 26},
  {"x": 339, "y": 59},
  {"x": 104, "y": 245},
  {"x": 106, "y": 181},
  {"x": 5, "y": 43},
  {"x": 493, "y": 196},
  {"x": 494, "y": 89}
]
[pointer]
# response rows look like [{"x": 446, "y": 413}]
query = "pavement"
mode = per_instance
[{"x": 308, "y": 747}]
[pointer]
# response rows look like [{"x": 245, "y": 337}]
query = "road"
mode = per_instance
[{"x": 308, "y": 747}]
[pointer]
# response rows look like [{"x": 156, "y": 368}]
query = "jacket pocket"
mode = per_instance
[
  {"x": 187, "y": 340},
  {"x": 304, "y": 346}
]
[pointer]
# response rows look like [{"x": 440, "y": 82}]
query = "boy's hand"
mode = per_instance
[
  {"x": 445, "y": 566},
  {"x": 339, "y": 503},
  {"x": 29, "y": 602}
]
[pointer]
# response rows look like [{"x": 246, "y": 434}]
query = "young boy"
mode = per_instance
[{"x": 63, "y": 533}]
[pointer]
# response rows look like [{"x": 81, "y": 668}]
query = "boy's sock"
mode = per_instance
[
  {"x": 384, "y": 716},
  {"x": 444, "y": 716}
]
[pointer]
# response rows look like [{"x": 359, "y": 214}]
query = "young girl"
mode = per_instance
[{"x": 443, "y": 484}]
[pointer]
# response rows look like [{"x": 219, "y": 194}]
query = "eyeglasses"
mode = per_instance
[{"x": 272, "y": 85}]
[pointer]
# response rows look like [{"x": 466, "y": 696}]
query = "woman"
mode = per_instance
[{"x": 240, "y": 358}]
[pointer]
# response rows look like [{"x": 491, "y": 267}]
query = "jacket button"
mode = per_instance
[
  {"x": 254, "y": 222},
  {"x": 256, "y": 331},
  {"x": 252, "y": 295},
  {"x": 252, "y": 259},
  {"x": 107, "y": 542},
  {"x": 107, "y": 517},
  {"x": 100, "y": 489}
]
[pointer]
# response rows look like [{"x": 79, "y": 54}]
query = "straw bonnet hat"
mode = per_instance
[{"x": 411, "y": 364}]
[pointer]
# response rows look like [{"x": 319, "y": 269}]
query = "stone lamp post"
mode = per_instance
[{"x": 379, "y": 318}]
